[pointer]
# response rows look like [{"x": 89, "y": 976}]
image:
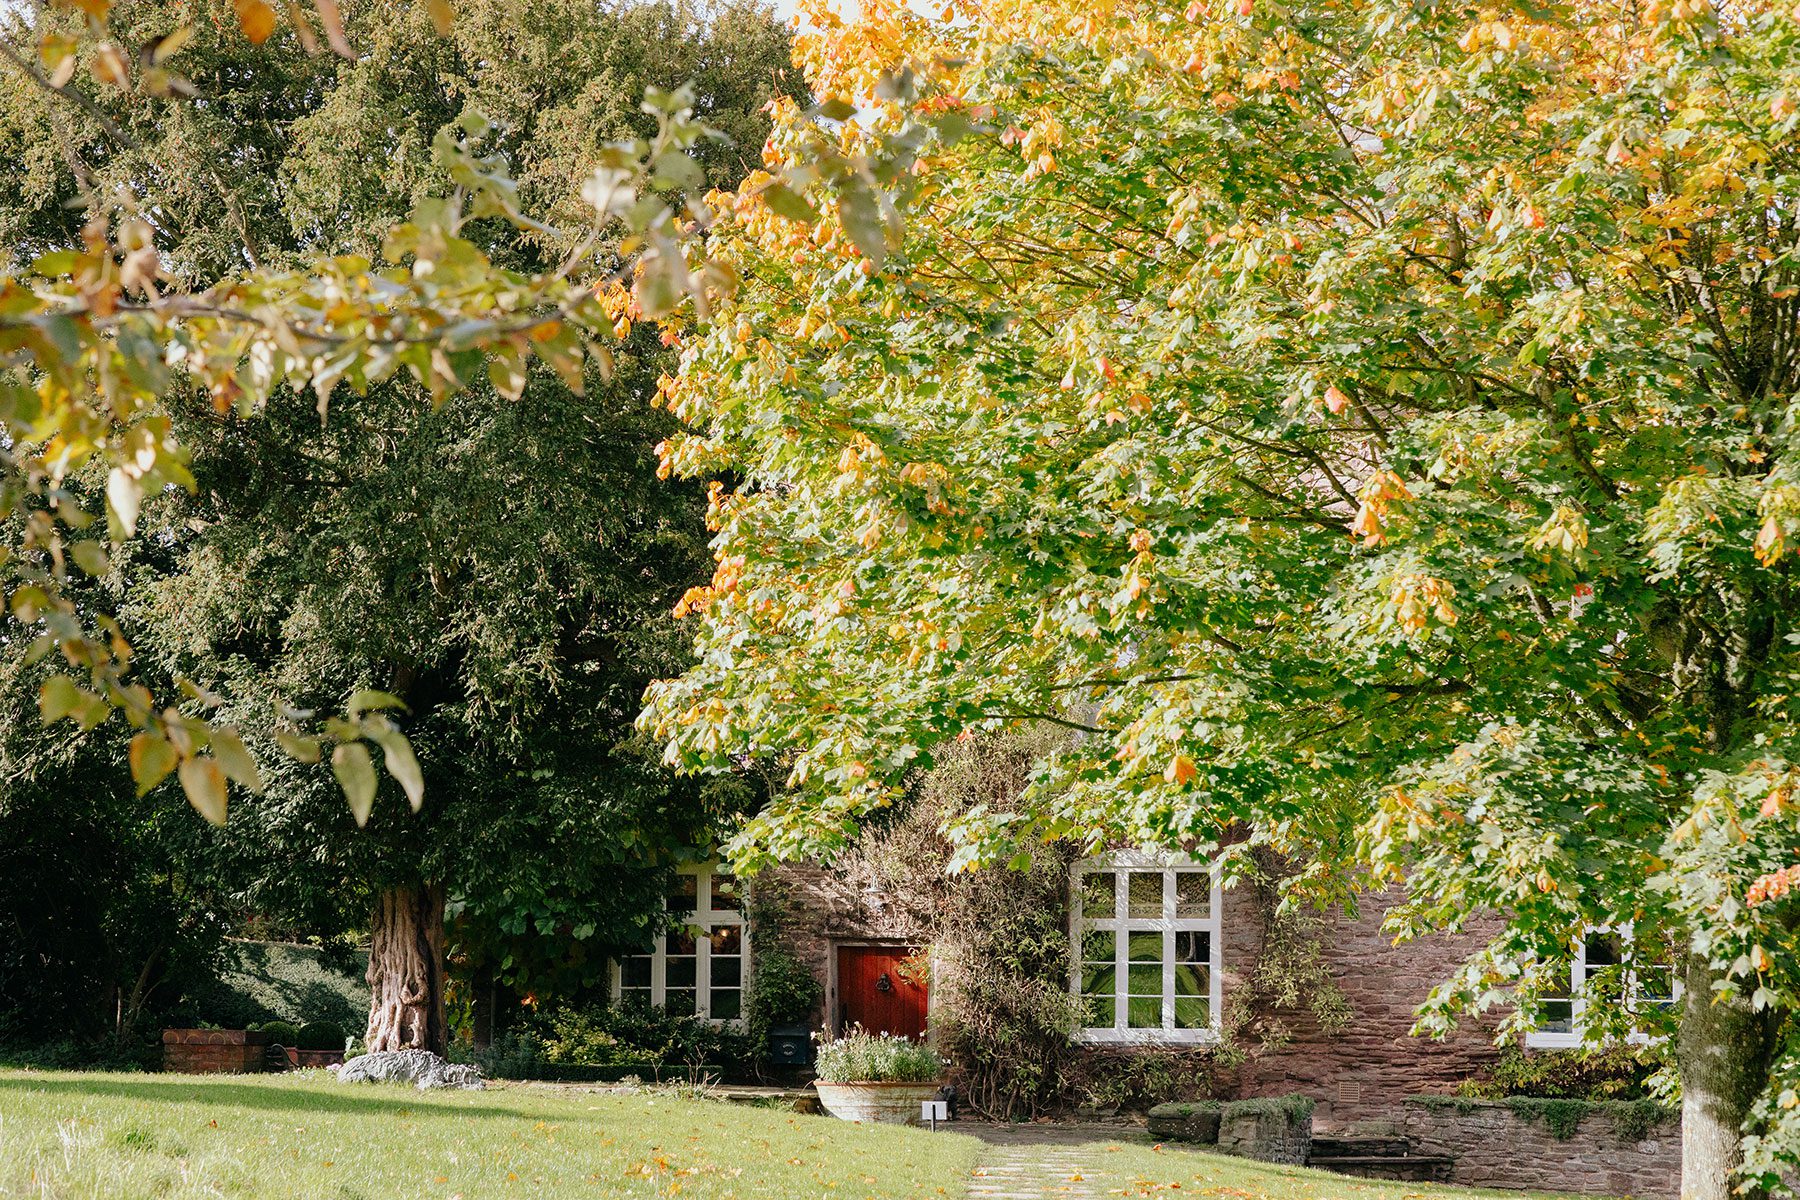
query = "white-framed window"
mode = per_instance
[
  {"x": 1646, "y": 981},
  {"x": 700, "y": 965},
  {"x": 1146, "y": 933}
]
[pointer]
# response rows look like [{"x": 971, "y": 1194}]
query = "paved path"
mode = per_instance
[{"x": 1025, "y": 1162}]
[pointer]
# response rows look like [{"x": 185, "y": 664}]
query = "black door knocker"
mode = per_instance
[{"x": 884, "y": 984}]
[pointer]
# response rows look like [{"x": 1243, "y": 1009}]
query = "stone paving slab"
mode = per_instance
[{"x": 1041, "y": 1162}]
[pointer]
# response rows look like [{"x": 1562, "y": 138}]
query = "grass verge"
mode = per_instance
[{"x": 301, "y": 1137}]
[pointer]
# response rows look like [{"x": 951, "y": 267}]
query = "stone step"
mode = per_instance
[
  {"x": 1409, "y": 1168},
  {"x": 1359, "y": 1146}
]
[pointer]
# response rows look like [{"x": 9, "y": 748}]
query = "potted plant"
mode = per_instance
[
  {"x": 319, "y": 1044},
  {"x": 876, "y": 1077}
]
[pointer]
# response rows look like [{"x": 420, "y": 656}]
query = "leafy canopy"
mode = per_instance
[{"x": 1369, "y": 424}]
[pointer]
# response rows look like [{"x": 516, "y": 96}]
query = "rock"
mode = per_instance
[{"x": 421, "y": 1068}]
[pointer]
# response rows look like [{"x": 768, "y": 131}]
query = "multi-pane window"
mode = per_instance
[
  {"x": 1646, "y": 980},
  {"x": 1146, "y": 935},
  {"x": 698, "y": 966}
]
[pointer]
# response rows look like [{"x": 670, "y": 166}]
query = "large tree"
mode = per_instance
[
  {"x": 502, "y": 566},
  {"x": 1369, "y": 424}
]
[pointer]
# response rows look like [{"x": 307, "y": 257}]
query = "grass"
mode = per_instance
[
  {"x": 67, "y": 1136},
  {"x": 126, "y": 1137}
]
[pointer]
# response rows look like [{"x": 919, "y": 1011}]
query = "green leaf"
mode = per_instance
[
  {"x": 152, "y": 758},
  {"x": 837, "y": 109},
  {"x": 237, "y": 760},
  {"x": 90, "y": 557},
  {"x": 355, "y": 773},
  {"x": 124, "y": 493},
  {"x": 55, "y": 263},
  {"x": 403, "y": 765},
  {"x": 784, "y": 201},
  {"x": 368, "y": 698},
  {"x": 298, "y": 748},
  {"x": 860, "y": 213},
  {"x": 204, "y": 784},
  {"x": 58, "y": 697}
]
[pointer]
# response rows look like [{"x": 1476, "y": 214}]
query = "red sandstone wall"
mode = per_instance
[
  {"x": 1360, "y": 1075},
  {"x": 1365, "y": 1072}
]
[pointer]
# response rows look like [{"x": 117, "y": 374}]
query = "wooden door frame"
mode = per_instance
[{"x": 833, "y": 1023}]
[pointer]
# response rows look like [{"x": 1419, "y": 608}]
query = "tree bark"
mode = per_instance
[
  {"x": 1723, "y": 1054},
  {"x": 406, "y": 970}
]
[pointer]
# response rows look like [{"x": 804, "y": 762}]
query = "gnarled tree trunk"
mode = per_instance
[
  {"x": 1723, "y": 1054},
  {"x": 406, "y": 970}
]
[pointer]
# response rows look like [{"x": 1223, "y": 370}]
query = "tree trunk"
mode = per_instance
[
  {"x": 1723, "y": 1055},
  {"x": 406, "y": 970}
]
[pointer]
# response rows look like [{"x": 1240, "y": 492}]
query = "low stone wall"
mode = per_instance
[
  {"x": 213, "y": 1051},
  {"x": 1606, "y": 1150}
]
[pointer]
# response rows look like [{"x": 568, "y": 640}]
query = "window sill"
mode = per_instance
[{"x": 1147, "y": 1037}]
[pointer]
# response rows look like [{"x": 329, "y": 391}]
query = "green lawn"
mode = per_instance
[
  {"x": 127, "y": 1137},
  {"x": 123, "y": 1137}
]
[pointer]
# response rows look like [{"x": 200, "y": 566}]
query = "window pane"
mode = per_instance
[
  {"x": 1146, "y": 981},
  {"x": 634, "y": 971},
  {"x": 1192, "y": 1012},
  {"x": 726, "y": 1004},
  {"x": 727, "y": 939},
  {"x": 727, "y": 972},
  {"x": 683, "y": 893},
  {"x": 1145, "y": 1012},
  {"x": 1144, "y": 947},
  {"x": 1097, "y": 945},
  {"x": 725, "y": 894},
  {"x": 1193, "y": 894},
  {"x": 680, "y": 972},
  {"x": 1099, "y": 979},
  {"x": 1603, "y": 950},
  {"x": 1191, "y": 981},
  {"x": 1098, "y": 899},
  {"x": 1559, "y": 1017},
  {"x": 1100, "y": 1012},
  {"x": 1193, "y": 947},
  {"x": 681, "y": 941},
  {"x": 1146, "y": 895},
  {"x": 680, "y": 1003}
]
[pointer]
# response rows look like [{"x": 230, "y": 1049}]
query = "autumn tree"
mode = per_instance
[
  {"x": 1368, "y": 424},
  {"x": 489, "y": 578}
]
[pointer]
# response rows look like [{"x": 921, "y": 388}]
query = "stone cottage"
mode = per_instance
[{"x": 1157, "y": 950}]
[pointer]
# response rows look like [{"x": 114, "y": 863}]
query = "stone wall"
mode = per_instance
[
  {"x": 213, "y": 1051},
  {"x": 1496, "y": 1146},
  {"x": 1365, "y": 1072}
]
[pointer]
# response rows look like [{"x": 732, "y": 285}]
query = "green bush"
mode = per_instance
[
  {"x": 783, "y": 991},
  {"x": 282, "y": 981},
  {"x": 282, "y": 1033},
  {"x": 860, "y": 1057},
  {"x": 320, "y": 1035},
  {"x": 636, "y": 1034},
  {"x": 515, "y": 1054},
  {"x": 1608, "y": 1073}
]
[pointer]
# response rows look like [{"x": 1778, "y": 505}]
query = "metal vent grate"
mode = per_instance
[{"x": 1348, "y": 1092}]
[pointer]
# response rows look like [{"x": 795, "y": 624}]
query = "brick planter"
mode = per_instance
[
  {"x": 213, "y": 1051},
  {"x": 316, "y": 1058}
]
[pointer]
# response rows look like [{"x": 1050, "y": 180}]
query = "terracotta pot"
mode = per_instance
[
  {"x": 293, "y": 1056},
  {"x": 877, "y": 1103}
]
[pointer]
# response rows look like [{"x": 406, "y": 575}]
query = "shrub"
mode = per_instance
[
  {"x": 1615, "y": 1072},
  {"x": 782, "y": 991},
  {"x": 860, "y": 1057},
  {"x": 282, "y": 1033},
  {"x": 636, "y": 1034},
  {"x": 515, "y": 1054},
  {"x": 320, "y": 1035}
]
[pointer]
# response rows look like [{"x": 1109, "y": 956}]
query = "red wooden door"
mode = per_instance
[{"x": 883, "y": 989}]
